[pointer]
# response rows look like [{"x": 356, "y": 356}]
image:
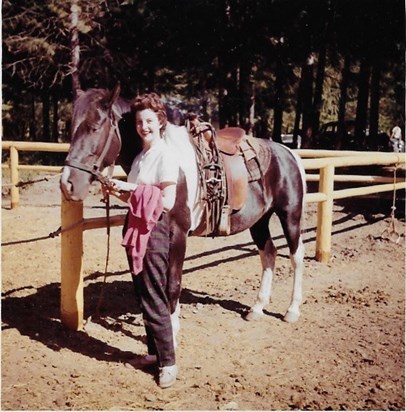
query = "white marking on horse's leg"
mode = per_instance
[
  {"x": 264, "y": 293},
  {"x": 293, "y": 313},
  {"x": 175, "y": 323}
]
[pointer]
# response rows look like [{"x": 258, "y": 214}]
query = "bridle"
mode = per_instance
[{"x": 95, "y": 169}]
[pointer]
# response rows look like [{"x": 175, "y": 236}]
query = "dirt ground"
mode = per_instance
[{"x": 345, "y": 353}]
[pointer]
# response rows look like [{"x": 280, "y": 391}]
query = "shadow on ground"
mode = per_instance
[{"x": 37, "y": 314}]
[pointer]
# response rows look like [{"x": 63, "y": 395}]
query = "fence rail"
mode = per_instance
[
  {"x": 15, "y": 167},
  {"x": 326, "y": 161}
]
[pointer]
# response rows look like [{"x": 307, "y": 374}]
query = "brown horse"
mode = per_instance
[{"x": 103, "y": 132}]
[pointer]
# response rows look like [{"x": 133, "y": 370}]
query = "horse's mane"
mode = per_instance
[
  {"x": 95, "y": 98},
  {"x": 86, "y": 99}
]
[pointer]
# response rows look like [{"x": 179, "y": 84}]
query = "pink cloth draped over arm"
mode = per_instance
[{"x": 145, "y": 209}]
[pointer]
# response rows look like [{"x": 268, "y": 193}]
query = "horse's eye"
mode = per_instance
[
  {"x": 94, "y": 127},
  {"x": 96, "y": 124}
]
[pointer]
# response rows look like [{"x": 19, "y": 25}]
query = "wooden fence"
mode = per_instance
[
  {"x": 327, "y": 194},
  {"x": 15, "y": 167},
  {"x": 74, "y": 224}
]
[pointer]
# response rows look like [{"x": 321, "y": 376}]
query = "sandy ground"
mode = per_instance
[{"x": 345, "y": 353}]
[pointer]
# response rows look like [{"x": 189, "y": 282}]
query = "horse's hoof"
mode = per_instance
[
  {"x": 291, "y": 317},
  {"x": 251, "y": 315}
]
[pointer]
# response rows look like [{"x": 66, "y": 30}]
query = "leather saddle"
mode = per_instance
[
  {"x": 229, "y": 140},
  {"x": 239, "y": 156},
  {"x": 228, "y": 160}
]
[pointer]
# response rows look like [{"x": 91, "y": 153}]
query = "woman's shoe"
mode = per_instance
[
  {"x": 148, "y": 360},
  {"x": 143, "y": 361},
  {"x": 167, "y": 376}
]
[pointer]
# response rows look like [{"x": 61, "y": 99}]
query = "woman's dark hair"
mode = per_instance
[{"x": 153, "y": 102}]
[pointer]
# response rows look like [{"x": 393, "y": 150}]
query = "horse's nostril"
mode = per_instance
[
  {"x": 66, "y": 187},
  {"x": 69, "y": 186}
]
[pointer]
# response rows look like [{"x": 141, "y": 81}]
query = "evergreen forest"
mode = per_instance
[{"x": 272, "y": 67}]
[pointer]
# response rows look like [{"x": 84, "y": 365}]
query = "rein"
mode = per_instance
[{"x": 108, "y": 227}]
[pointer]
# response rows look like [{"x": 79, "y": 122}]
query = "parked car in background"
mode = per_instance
[
  {"x": 327, "y": 137},
  {"x": 288, "y": 140}
]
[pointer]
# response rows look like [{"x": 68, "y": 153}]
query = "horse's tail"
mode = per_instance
[
  {"x": 303, "y": 176},
  {"x": 302, "y": 172}
]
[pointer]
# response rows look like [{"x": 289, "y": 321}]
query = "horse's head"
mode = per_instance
[{"x": 96, "y": 140}]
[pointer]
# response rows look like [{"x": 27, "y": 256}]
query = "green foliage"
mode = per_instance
[{"x": 222, "y": 53}]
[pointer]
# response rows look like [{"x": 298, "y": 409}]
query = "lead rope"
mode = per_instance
[
  {"x": 391, "y": 233},
  {"x": 106, "y": 200}
]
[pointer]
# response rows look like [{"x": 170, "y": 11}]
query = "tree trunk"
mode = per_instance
[
  {"x": 374, "y": 111},
  {"x": 75, "y": 48},
  {"x": 341, "y": 130},
  {"x": 33, "y": 126},
  {"x": 278, "y": 107},
  {"x": 298, "y": 112},
  {"x": 55, "y": 118},
  {"x": 228, "y": 97},
  {"x": 318, "y": 90},
  {"x": 307, "y": 108},
  {"x": 251, "y": 114},
  {"x": 204, "y": 96},
  {"x": 246, "y": 99},
  {"x": 222, "y": 94},
  {"x": 362, "y": 102},
  {"x": 232, "y": 86},
  {"x": 299, "y": 106},
  {"x": 45, "y": 118}
]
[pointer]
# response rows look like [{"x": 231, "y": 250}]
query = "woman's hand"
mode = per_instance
[{"x": 118, "y": 188}]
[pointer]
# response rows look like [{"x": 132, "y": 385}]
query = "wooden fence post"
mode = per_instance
[
  {"x": 325, "y": 215},
  {"x": 71, "y": 264},
  {"x": 14, "y": 178}
]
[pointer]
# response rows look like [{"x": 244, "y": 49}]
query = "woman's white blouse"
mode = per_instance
[{"x": 156, "y": 165}]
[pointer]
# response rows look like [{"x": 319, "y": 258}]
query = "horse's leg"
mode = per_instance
[
  {"x": 292, "y": 231},
  {"x": 267, "y": 251},
  {"x": 176, "y": 257}
]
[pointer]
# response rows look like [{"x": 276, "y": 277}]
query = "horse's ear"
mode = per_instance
[
  {"x": 107, "y": 102},
  {"x": 115, "y": 94}
]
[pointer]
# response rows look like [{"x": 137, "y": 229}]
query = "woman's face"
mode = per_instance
[{"x": 148, "y": 126}]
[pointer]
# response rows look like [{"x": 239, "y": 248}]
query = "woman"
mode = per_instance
[{"x": 156, "y": 167}]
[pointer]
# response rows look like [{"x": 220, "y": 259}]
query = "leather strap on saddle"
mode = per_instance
[
  {"x": 236, "y": 155},
  {"x": 212, "y": 176},
  {"x": 232, "y": 141}
]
